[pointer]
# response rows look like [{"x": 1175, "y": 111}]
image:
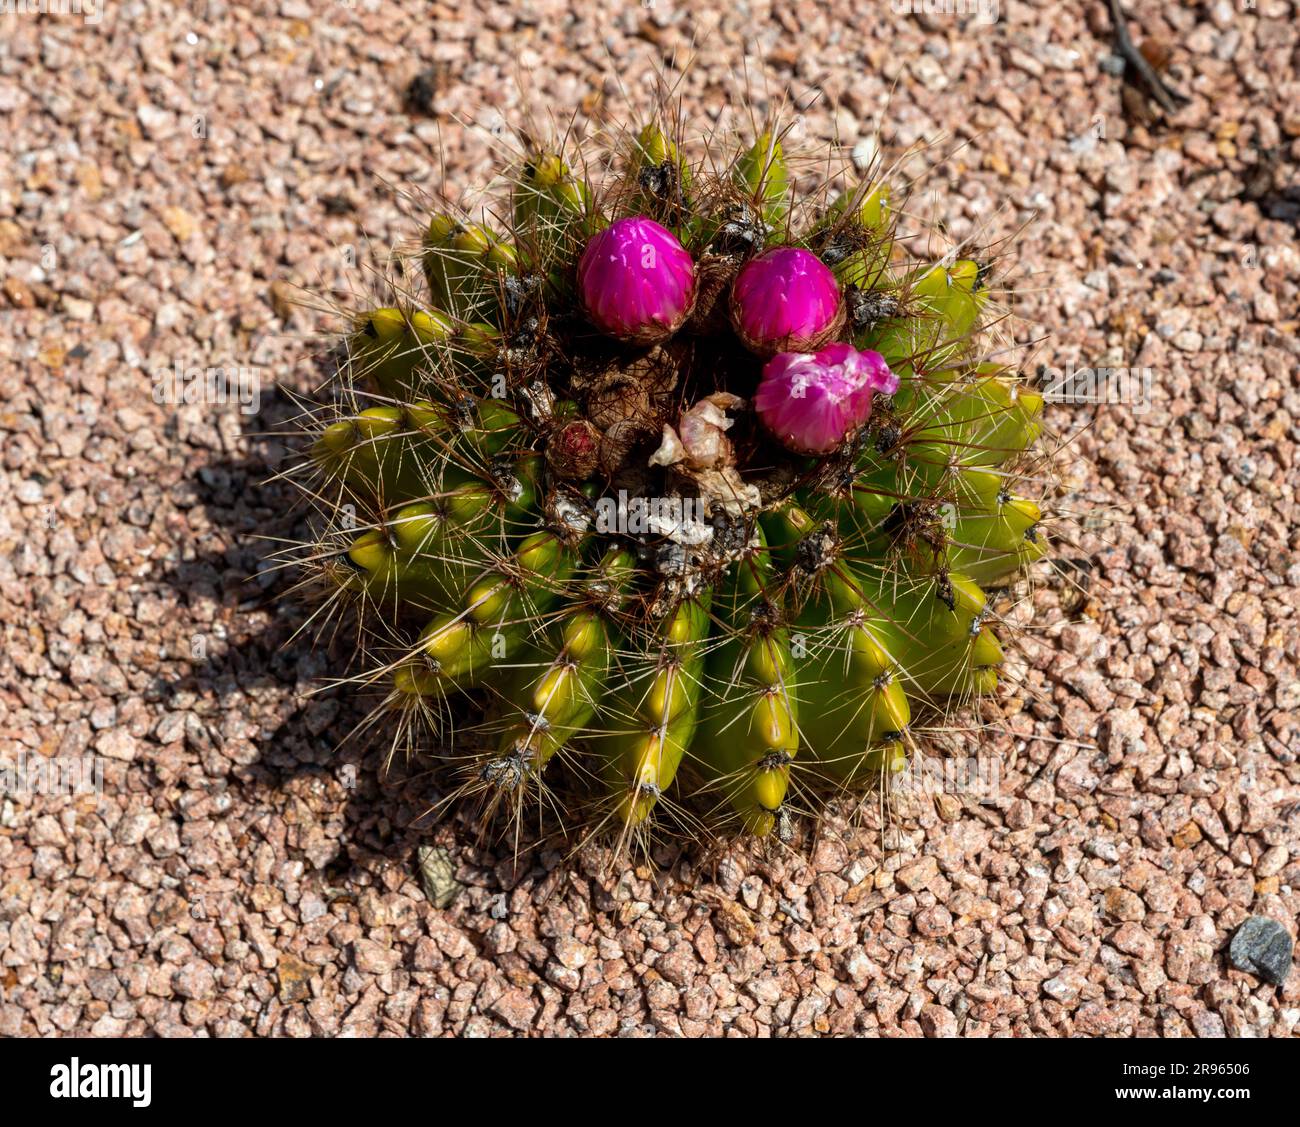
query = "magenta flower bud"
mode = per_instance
[
  {"x": 637, "y": 281},
  {"x": 786, "y": 300},
  {"x": 810, "y": 403}
]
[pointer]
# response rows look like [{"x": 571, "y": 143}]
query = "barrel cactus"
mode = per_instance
[{"x": 664, "y": 493}]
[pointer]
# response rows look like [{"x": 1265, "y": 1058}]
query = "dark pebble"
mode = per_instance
[
  {"x": 424, "y": 88},
  {"x": 1262, "y": 947}
]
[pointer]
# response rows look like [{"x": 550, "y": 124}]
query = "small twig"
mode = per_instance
[{"x": 1168, "y": 99}]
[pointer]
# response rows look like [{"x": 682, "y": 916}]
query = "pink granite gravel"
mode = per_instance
[{"x": 165, "y": 181}]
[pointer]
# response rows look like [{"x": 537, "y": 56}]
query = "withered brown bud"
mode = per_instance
[
  {"x": 617, "y": 398},
  {"x": 639, "y": 388},
  {"x": 622, "y": 443},
  {"x": 573, "y": 450}
]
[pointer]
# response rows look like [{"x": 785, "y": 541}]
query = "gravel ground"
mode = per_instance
[{"x": 163, "y": 179}]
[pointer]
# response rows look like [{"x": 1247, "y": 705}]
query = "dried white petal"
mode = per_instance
[{"x": 670, "y": 450}]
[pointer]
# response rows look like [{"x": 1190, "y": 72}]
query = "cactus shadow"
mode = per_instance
[
  {"x": 259, "y": 654},
  {"x": 253, "y": 650}
]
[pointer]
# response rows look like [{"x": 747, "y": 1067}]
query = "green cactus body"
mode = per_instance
[
  {"x": 657, "y": 708},
  {"x": 762, "y": 173},
  {"x": 791, "y": 612},
  {"x": 748, "y": 732}
]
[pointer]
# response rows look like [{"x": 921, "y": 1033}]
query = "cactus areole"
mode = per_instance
[{"x": 672, "y": 489}]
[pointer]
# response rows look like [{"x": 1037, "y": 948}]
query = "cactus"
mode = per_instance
[{"x": 676, "y": 492}]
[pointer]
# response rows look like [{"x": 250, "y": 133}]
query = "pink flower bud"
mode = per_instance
[
  {"x": 786, "y": 300},
  {"x": 810, "y": 403},
  {"x": 637, "y": 281}
]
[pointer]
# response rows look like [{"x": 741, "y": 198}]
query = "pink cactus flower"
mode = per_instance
[
  {"x": 637, "y": 281},
  {"x": 786, "y": 300},
  {"x": 810, "y": 402}
]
